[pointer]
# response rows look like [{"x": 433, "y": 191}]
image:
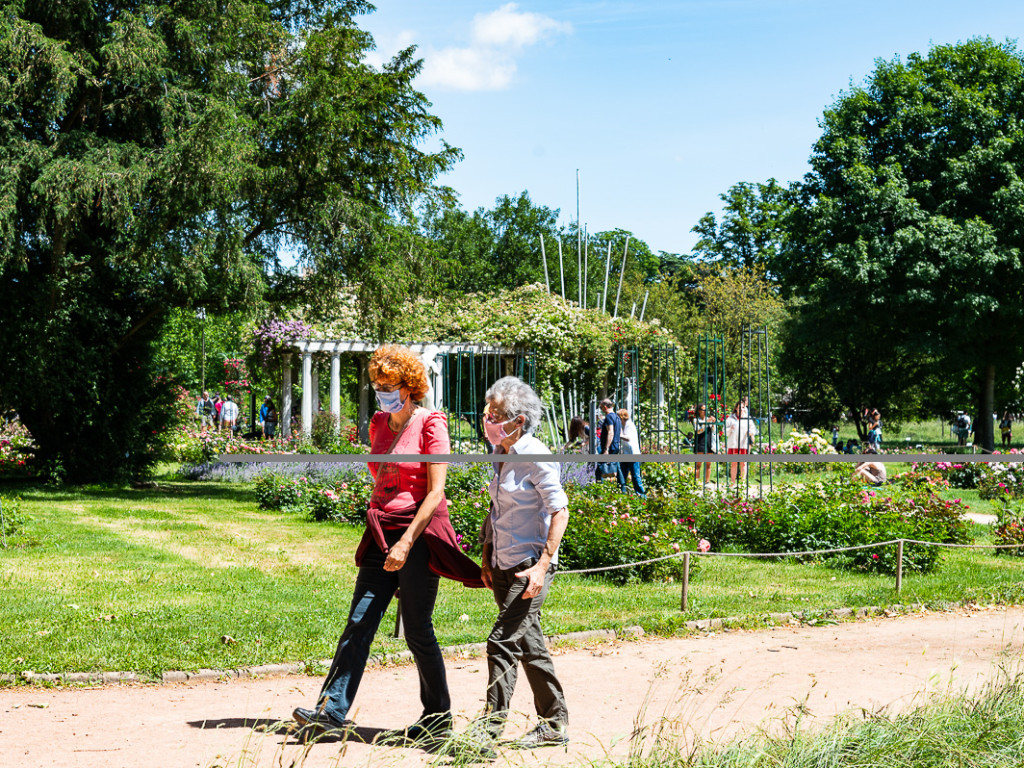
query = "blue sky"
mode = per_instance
[{"x": 662, "y": 106}]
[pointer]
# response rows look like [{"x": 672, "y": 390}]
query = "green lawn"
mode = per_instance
[{"x": 150, "y": 580}]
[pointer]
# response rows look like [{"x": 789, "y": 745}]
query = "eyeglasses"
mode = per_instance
[
  {"x": 386, "y": 387},
  {"x": 495, "y": 416}
]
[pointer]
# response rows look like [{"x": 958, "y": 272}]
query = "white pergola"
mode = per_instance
[{"x": 306, "y": 348}]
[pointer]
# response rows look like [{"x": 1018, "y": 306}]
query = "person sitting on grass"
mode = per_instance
[{"x": 871, "y": 472}]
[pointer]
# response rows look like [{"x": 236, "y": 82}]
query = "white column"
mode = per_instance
[
  {"x": 434, "y": 396},
  {"x": 316, "y": 393},
  {"x": 336, "y": 387},
  {"x": 364, "y": 399},
  {"x": 286, "y": 396},
  {"x": 307, "y": 393}
]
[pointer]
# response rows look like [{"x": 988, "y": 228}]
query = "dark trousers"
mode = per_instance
[
  {"x": 517, "y": 637},
  {"x": 373, "y": 592}
]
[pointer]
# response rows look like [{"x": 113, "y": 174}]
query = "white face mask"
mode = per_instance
[{"x": 390, "y": 402}]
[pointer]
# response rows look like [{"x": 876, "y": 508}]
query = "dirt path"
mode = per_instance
[{"x": 711, "y": 686}]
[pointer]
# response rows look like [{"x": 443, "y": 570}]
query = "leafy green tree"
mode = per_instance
[
  {"x": 491, "y": 249},
  {"x": 156, "y": 155},
  {"x": 908, "y": 233},
  {"x": 752, "y": 229}
]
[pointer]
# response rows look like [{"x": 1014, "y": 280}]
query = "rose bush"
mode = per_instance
[
  {"x": 1009, "y": 527},
  {"x": 834, "y": 514},
  {"x": 799, "y": 443},
  {"x": 16, "y": 449},
  {"x": 608, "y": 528},
  {"x": 1001, "y": 481}
]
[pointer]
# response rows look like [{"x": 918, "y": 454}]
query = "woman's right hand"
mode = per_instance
[{"x": 485, "y": 575}]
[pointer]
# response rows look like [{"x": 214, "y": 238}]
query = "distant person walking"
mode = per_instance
[
  {"x": 577, "y": 437},
  {"x": 206, "y": 411},
  {"x": 631, "y": 444},
  {"x": 962, "y": 426},
  {"x": 1006, "y": 429},
  {"x": 268, "y": 418},
  {"x": 610, "y": 442},
  {"x": 703, "y": 438},
  {"x": 739, "y": 432},
  {"x": 229, "y": 414},
  {"x": 875, "y": 431}
]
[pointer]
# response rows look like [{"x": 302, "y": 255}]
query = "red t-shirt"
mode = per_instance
[{"x": 402, "y": 485}]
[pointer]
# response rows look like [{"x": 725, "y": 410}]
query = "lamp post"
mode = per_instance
[{"x": 201, "y": 316}]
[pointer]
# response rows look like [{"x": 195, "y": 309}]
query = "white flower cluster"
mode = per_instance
[{"x": 806, "y": 442}]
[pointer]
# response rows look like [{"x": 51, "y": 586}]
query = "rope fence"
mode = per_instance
[
  {"x": 686, "y": 556},
  {"x": 628, "y": 458},
  {"x": 579, "y": 458}
]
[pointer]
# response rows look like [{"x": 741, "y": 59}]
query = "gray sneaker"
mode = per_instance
[{"x": 543, "y": 735}]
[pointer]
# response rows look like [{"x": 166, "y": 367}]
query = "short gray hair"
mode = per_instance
[{"x": 518, "y": 399}]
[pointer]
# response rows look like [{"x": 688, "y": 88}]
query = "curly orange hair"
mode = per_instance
[{"x": 393, "y": 364}]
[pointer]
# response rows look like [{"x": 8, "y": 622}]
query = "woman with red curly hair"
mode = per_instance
[{"x": 408, "y": 544}]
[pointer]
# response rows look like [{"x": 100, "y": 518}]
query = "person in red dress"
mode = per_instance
[{"x": 408, "y": 544}]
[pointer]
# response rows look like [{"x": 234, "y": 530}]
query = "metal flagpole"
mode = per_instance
[
  {"x": 586, "y": 267},
  {"x": 607, "y": 268},
  {"x": 622, "y": 273},
  {"x": 561, "y": 268},
  {"x": 544, "y": 258},
  {"x": 579, "y": 246},
  {"x": 644, "y": 308}
]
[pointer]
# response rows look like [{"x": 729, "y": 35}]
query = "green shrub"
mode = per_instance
[
  {"x": 608, "y": 528},
  {"x": 286, "y": 494},
  {"x": 324, "y": 431},
  {"x": 960, "y": 475},
  {"x": 1009, "y": 528},
  {"x": 12, "y": 519},
  {"x": 1001, "y": 482},
  {"x": 834, "y": 514},
  {"x": 340, "y": 502}
]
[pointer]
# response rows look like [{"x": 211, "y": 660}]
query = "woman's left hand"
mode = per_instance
[{"x": 397, "y": 555}]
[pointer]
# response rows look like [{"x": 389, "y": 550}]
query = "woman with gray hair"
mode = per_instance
[{"x": 528, "y": 515}]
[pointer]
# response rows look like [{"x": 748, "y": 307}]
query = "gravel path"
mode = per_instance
[{"x": 710, "y": 686}]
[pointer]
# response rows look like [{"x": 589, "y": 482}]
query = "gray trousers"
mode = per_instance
[{"x": 517, "y": 637}]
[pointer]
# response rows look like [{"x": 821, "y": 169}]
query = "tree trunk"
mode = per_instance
[{"x": 984, "y": 434}]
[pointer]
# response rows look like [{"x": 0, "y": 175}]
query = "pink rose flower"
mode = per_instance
[{"x": 704, "y": 545}]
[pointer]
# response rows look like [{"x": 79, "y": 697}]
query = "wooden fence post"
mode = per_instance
[
  {"x": 899, "y": 566},
  {"x": 686, "y": 582}
]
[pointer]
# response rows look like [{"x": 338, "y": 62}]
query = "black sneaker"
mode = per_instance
[
  {"x": 426, "y": 733},
  {"x": 543, "y": 735},
  {"x": 311, "y": 718}
]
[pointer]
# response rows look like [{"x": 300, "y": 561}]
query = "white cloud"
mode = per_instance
[
  {"x": 489, "y": 63},
  {"x": 508, "y": 27},
  {"x": 469, "y": 69}
]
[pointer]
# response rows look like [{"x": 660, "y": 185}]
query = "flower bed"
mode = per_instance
[
  {"x": 1001, "y": 482},
  {"x": 16, "y": 450},
  {"x": 1009, "y": 527},
  {"x": 834, "y": 514},
  {"x": 799, "y": 443},
  {"x": 609, "y": 528}
]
